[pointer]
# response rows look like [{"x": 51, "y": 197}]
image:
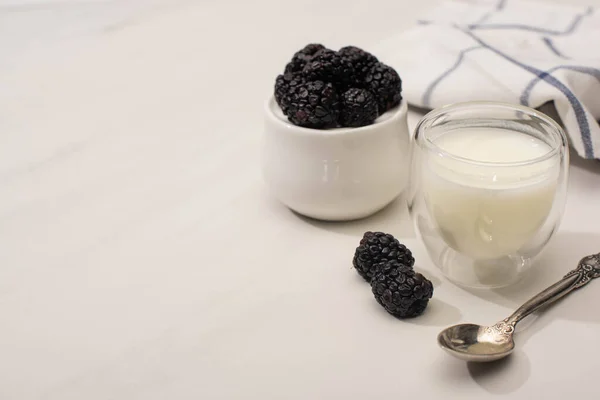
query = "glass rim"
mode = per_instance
[{"x": 556, "y": 131}]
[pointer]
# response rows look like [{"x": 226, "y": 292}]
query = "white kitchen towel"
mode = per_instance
[{"x": 515, "y": 51}]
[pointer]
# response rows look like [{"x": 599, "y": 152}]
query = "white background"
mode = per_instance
[{"x": 142, "y": 258}]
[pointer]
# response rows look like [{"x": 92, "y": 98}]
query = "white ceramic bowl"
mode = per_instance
[{"x": 336, "y": 174}]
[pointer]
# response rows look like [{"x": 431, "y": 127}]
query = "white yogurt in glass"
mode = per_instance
[{"x": 489, "y": 190}]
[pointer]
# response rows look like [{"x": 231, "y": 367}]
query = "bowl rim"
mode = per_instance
[{"x": 398, "y": 112}]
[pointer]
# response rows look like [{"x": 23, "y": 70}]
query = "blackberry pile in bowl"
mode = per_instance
[{"x": 322, "y": 89}]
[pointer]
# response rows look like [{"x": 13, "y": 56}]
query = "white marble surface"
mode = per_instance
[{"x": 141, "y": 257}]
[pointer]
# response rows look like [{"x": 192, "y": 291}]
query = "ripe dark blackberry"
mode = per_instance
[
  {"x": 326, "y": 65},
  {"x": 358, "y": 108},
  {"x": 403, "y": 292},
  {"x": 314, "y": 105},
  {"x": 361, "y": 60},
  {"x": 387, "y": 266},
  {"x": 385, "y": 83},
  {"x": 301, "y": 57},
  {"x": 377, "y": 247},
  {"x": 285, "y": 87}
]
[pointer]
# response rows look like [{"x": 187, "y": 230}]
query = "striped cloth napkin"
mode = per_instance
[{"x": 515, "y": 51}]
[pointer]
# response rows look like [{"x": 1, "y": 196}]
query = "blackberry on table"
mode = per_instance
[
  {"x": 386, "y": 267},
  {"x": 314, "y": 104},
  {"x": 358, "y": 108},
  {"x": 327, "y": 65},
  {"x": 376, "y": 247},
  {"x": 286, "y": 86},
  {"x": 385, "y": 83},
  {"x": 361, "y": 60},
  {"x": 301, "y": 57},
  {"x": 403, "y": 292}
]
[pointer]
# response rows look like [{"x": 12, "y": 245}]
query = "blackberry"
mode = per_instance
[
  {"x": 385, "y": 83},
  {"x": 314, "y": 105},
  {"x": 361, "y": 60},
  {"x": 386, "y": 267},
  {"x": 326, "y": 65},
  {"x": 358, "y": 108},
  {"x": 377, "y": 247},
  {"x": 301, "y": 57},
  {"x": 285, "y": 87},
  {"x": 403, "y": 292}
]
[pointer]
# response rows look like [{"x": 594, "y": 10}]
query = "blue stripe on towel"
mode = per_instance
[
  {"x": 567, "y": 31},
  {"x": 582, "y": 121},
  {"x": 595, "y": 72},
  {"x": 426, "y": 99},
  {"x": 499, "y": 6},
  {"x": 553, "y": 48}
]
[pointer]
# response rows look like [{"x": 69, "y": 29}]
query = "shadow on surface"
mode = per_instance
[
  {"x": 561, "y": 256},
  {"x": 419, "y": 110},
  {"x": 503, "y": 376},
  {"x": 438, "y": 313},
  {"x": 592, "y": 166},
  {"x": 394, "y": 219},
  {"x": 500, "y": 377}
]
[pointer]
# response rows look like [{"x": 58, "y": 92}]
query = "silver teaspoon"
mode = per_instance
[{"x": 472, "y": 342}]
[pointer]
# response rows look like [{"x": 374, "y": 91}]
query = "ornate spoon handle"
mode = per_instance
[{"x": 587, "y": 269}]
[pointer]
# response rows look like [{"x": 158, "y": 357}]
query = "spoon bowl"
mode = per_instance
[{"x": 471, "y": 342}]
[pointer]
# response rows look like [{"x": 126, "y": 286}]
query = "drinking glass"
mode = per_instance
[{"x": 487, "y": 189}]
